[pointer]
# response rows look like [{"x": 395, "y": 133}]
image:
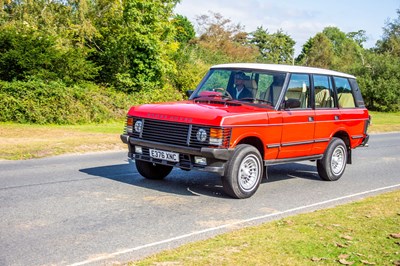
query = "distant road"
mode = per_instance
[{"x": 95, "y": 209}]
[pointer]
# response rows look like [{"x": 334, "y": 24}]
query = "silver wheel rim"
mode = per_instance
[
  {"x": 338, "y": 160},
  {"x": 249, "y": 172}
]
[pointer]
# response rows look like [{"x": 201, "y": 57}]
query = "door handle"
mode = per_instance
[
  {"x": 310, "y": 119},
  {"x": 336, "y": 117}
]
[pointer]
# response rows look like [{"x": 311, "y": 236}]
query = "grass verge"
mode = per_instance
[
  {"x": 384, "y": 122},
  {"x": 360, "y": 233},
  {"x": 24, "y": 141}
]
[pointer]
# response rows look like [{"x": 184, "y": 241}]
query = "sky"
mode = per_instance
[{"x": 300, "y": 19}]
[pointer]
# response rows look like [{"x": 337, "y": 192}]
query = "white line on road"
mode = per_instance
[{"x": 279, "y": 213}]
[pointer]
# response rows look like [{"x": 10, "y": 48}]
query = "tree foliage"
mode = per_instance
[
  {"x": 141, "y": 48},
  {"x": 184, "y": 29},
  {"x": 390, "y": 42},
  {"x": 221, "y": 40},
  {"x": 275, "y": 48},
  {"x": 135, "y": 42}
]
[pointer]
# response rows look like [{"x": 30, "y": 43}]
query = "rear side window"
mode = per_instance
[
  {"x": 299, "y": 90},
  {"x": 344, "y": 93},
  {"x": 323, "y": 92}
]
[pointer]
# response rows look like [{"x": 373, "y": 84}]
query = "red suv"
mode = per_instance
[{"x": 244, "y": 117}]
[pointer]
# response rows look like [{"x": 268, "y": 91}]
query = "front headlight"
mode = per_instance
[
  {"x": 139, "y": 126},
  {"x": 201, "y": 135}
]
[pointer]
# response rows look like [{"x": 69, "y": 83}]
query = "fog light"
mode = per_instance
[
  {"x": 200, "y": 160},
  {"x": 138, "y": 149}
]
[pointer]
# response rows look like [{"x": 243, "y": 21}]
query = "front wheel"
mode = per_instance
[
  {"x": 152, "y": 170},
  {"x": 331, "y": 166},
  {"x": 244, "y": 172}
]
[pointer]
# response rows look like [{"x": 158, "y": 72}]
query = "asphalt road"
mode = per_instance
[{"x": 95, "y": 209}]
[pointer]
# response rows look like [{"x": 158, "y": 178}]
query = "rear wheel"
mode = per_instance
[
  {"x": 152, "y": 170},
  {"x": 244, "y": 172},
  {"x": 331, "y": 167}
]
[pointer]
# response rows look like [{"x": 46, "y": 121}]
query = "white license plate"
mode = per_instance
[{"x": 164, "y": 155}]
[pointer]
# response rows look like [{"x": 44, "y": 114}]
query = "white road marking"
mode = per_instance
[{"x": 128, "y": 250}]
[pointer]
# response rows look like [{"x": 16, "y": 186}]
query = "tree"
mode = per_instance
[
  {"x": 319, "y": 52},
  {"x": 391, "y": 37},
  {"x": 358, "y": 36},
  {"x": 333, "y": 49},
  {"x": 41, "y": 39},
  {"x": 380, "y": 81},
  {"x": 274, "y": 48},
  {"x": 135, "y": 43},
  {"x": 223, "y": 41},
  {"x": 184, "y": 29}
]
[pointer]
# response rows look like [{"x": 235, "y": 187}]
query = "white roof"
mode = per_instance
[{"x": 284, "y": 68}]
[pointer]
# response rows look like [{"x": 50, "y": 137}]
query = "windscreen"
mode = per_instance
[{"x": 258, "y": 87}]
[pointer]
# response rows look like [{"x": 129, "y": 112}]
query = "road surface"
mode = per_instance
[{"x": 95, "y": 209}]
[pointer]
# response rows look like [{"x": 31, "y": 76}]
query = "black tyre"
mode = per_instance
[
  {"x": 331, "y": 167},
  {"x": 152, "y": 170},
  {"x": 244, "y": 172}
]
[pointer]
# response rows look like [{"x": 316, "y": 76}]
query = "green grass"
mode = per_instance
[
  {"x": 384, "y": 122},
  {"x": 360, "y": 233},
  {"x": 25, "y": 141}
]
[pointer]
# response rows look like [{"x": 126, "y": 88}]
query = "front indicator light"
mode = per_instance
[
  {"x": 216, "y": 136},
  {"x": 129, "y": 125}
]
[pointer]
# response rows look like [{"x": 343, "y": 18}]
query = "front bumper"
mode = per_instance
[{"x": 216, "y": 158}]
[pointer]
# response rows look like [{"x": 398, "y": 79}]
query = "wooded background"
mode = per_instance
[{"x": 81, "y": 61}]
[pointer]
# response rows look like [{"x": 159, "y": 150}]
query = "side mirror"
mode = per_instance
[
  {"x": 292, "y": 103},
  {"x": 189, "y": 93}
]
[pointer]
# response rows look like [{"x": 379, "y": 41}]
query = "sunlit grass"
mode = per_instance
[
  {"x": 384, "y": 122},
  {"x": 23, "y": 141},
  {"x": 360, "y": 233}
]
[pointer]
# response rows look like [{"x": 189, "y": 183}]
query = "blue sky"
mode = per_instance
[{"x": 300, "y": 19}]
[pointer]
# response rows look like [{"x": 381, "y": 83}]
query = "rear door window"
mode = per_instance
[
  {"x": 344, "y": 93},
  {"x": 323, "y": 92}
]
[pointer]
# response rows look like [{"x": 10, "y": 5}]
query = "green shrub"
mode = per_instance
[{"x": 40, "y": 102}]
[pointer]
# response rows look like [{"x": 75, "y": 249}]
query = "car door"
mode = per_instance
[
  {"x": 327, "y": 114},
  {"x": 297, "y": 118}
]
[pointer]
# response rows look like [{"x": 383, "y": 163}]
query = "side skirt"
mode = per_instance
[{"x": 290, "y": 160}]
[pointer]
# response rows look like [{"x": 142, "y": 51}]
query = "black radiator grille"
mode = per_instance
[
  {"x": 165, "y": 132},
  {"x": 174, "y": 133}
]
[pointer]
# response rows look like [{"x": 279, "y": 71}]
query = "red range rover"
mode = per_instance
[{"x": 243, "y": 117}]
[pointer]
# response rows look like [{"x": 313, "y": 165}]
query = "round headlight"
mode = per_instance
[
  {"x": 201, "y": 135},
  {"x": 139, "y": 126}
]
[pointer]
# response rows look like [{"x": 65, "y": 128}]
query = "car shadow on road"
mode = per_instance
[
  {"x": 292, "y": 170},
  {"x": 194, "y": 183}
]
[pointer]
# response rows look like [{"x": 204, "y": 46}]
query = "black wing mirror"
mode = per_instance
[{"x": 292, "y": 103}]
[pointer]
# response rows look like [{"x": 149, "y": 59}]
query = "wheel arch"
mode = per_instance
[
  {"x": 343, "y": 135},
  {"x": 254, "y": 141}
]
